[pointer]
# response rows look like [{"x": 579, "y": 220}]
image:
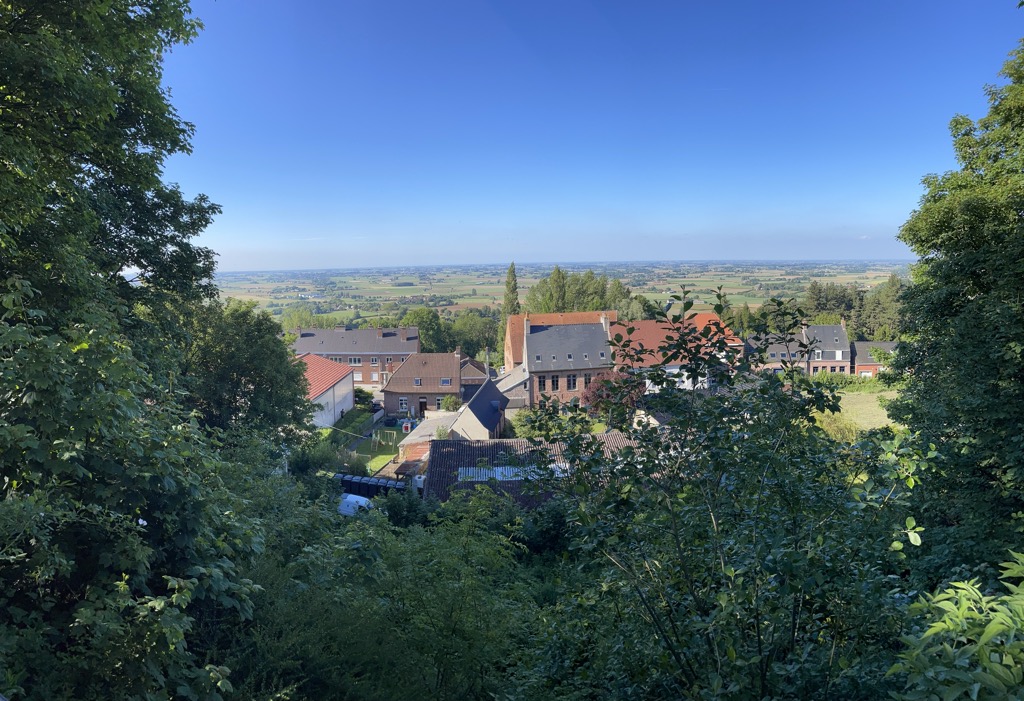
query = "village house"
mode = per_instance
[
  {"x": 331, "y": 388},
  {"x": 651, "y": 335},
  {"x": 825, "y": 348},
  {"x": 421, "y": 383},
  {"x": 516, "y": 323},
  {"x": 372, "y": 353},
  {"x": 563, "y": 360},
  {"x": 483, "y": 416},
  {"x": 865, "y": 364}
]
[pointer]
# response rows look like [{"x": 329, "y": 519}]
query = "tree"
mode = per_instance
[
  {"x": 473, "y": 331},
  {"x": 238, "y": 371},
  {"x": 119, "y": 539},
  {"x": 435, "y": 336},
  {"x": 962, "y": 325},
  {"x": 733, "y": 550},
  {"x": 510, "y": 304}
]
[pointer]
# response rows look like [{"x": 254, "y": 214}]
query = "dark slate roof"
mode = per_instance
[
  {"x": 486, "y": 406},
  {"x": 459, "y": 464},
  {"x": 862, "y": 350},
  {"x": 569, "y": 347},
  {"x": 829, "y": 338},
  {"x": 339, "y": 341}
]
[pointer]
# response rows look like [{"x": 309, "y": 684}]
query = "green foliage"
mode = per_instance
[
  {"x": 583, "y": 292},
  {"x": 435, "y": 337},
  {"x": 238, "y": 371},
  {"x": 838, "y": 426},
  {"x": 965, "y": 643},
  {"x": 510, "y": 305},
  {"x": 451, "y": 403},
  {"x": 963, "y": 321},
  {"x": 363, "y": 399},
  {"x": 734, "y": 551}
]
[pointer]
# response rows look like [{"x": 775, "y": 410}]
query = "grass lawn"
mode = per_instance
[
  {"x": 864, "y": 410},
  {"x": 380, "y": 454}
]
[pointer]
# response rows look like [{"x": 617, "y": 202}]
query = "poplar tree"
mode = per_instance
[{"x": 510, "y": 305}]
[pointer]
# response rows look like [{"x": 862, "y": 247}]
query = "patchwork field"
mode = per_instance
[{"x": 370, "y": 292}]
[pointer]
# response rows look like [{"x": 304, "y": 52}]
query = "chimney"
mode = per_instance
[
  {"x": 380, "y": 332},
  {"x": 842, "y": 322},
  {"x": 401, "y": 334},
  {"x": 526, "y": 326},
  {"x": 604, "y": 321},
  {"x": 458, "y": 351}
]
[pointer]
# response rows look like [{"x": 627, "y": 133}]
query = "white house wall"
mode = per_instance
[{"x": 335, "y": 402}]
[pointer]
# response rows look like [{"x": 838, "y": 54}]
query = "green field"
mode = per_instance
[
  {"x": 864, "y": 409},
  {"x": 368, "y": 293}
]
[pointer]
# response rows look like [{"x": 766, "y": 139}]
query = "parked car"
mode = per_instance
[{"x": 352, "y": 505}]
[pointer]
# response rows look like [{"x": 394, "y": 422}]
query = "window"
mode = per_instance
[
  {"x": 374, "y": 377},
  {"x": 357, "y": 377},
  {"x": 814, "y": 370},
  {"x": 542, "y": 383},
  {"x": 355, "y": 361},
  {"x": 402, "y": 359},
  {"x": 553, "y": 357},
  {"x": 817, "y": 355},
  {"x": 536, "y": 358},
  {"x": 417, "y": 381},
  {"x": 586, "y": 380},
  {"x": 832, "y": 369},
  {"x": 374, "y": 361},
  {"x": 586, "y": 356},
  {"x": 783, "y": 355},
  {"x": 437, "y": 403},
  {"x": 570, "y": 383},
  {"x": 602, "y": 355},
  {"x": 403, "y": 404},
  {"x": 569, "y": 356},
  {"x": 554, "y": 383},
  {"x": 446, "y": 382},
  {"x": 771, "y": 355},
  {"x": 839, "y": 355},
  {"x": 842, "y": 368},
  {"x": 387, "y": 359}
]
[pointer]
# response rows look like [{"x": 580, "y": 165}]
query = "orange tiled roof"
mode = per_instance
[
  {"x": 322, "y": 374},
  {"x": 652, "y": 334},
  {"x": 514, "y": 326}
]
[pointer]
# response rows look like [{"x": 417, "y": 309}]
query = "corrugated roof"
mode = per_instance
[
  {"x": 448, "y": 457},
  {"x": 322, "y": 374}
]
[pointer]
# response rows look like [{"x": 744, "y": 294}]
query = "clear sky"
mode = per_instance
[{"x": 347, "y": 133}]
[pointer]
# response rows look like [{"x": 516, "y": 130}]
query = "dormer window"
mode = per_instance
[
  {"x": 602, "y": 354},
  {"x": 569, "y": 356},
  {"x": 536, "y": 358},
  {"x": 417, "y": 381},
  {"x": 586, "y": 356},
  {"x": 446, "y": 382}
]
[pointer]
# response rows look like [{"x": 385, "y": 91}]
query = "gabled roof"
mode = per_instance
[
  {"x": 862, "y": 350},
  {"x": 486, "y": 407},
  {"x": 458, "y": 464},
  {"x": 569, "y": 347},
  {"x": 653, "y": 334},
  {"x": 322, "y": 374},
  {"x": 339, "y": 341},
  {"x": 830, "y": 337},
  {"x": 430, "y": 368},
  {"x": 473, "y": 369},
  {"x": 515, "y": 323}
]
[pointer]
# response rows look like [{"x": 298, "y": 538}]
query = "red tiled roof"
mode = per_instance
[
  {"x": 652, "y": 334},
  {"x": 430, "y": 368},
  {"x": 514, "y": 326},
  {"x": 322, "y": 374}
]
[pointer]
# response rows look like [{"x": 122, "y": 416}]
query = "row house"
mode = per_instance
[
  {"x": 828, "y": 349},
  {"x": 329, "y": 387},
  {"x": 372, "y": 353},
  {"x": 865, "y": 362},
  {"x": 421, "y": 383}
]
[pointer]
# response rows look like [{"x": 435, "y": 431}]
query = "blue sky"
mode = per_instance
[{"x": 353, "y": 133}]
